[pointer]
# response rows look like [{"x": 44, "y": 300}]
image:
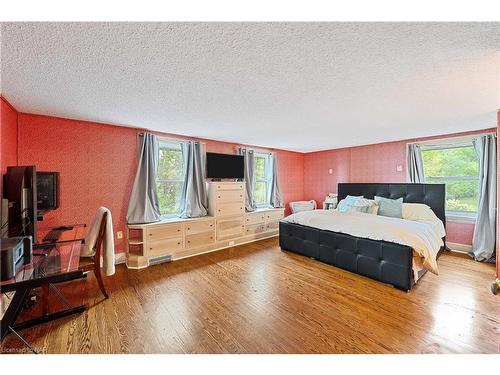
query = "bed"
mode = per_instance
[{"x": 385, "y": 261}]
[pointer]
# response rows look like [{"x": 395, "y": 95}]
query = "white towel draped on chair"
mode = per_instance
[{"x": 108, "y": 258}]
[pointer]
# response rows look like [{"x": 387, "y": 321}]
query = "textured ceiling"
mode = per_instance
[{"x": 297, "y": 86}]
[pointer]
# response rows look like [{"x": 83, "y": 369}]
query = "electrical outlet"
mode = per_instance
[
  {"x": 119, "y": 234},
  {"x": 231, "y": 243},
  {"x": 399, "y": 168},
  {"x": 330, "y": 171}
]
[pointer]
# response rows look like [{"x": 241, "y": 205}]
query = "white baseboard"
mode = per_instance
[
  {"x": 459, "y": 247},
  {"x": 120, "y": 258}
]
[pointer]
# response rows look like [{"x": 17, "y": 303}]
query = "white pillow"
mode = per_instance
[{"x": 418, "y": 212}]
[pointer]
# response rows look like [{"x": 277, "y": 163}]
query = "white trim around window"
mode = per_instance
[
  {"x": 266, "y": 178},
  {"x": 449, "y": 143}
]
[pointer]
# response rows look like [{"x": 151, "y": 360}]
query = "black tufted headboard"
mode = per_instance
[{"x": 432, "y": 195}]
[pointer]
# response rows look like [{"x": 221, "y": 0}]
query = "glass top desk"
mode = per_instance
[{"x": 53, "y": 262}]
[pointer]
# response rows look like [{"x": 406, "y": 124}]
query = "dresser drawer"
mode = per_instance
[
  {"x": 160, "y": 232},
  {"x": 273, "y": 225},
  {"x": 230, "y": 227},
  {"x": 199, "y": 227},
  {"x": 274, "y": 215},
  {"x": 255, "y": 228},
  {"x": 226, "y": 196},
  {"x": 163, "y": 247},
  {"x": 228, "y": 209},
  {"x": 231, "y": 186},
  {"x": 200, "y": 239},
  {"x": 255, "y": 218}
]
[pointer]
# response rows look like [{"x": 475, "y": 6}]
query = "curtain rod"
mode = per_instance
[
  {"x": 261, "y": 150},
  {"x": 444, "y": 139},
  {"x": 170, "y": 139}
]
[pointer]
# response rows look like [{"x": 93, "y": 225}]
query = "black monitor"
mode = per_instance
[
  {"x": 20, "y": 190},
  {"x": 47, "y": 188},
  {"x": 225, "y": 166}
]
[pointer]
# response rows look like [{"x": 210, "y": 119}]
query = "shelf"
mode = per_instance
[{"x": 135, "y": 242}]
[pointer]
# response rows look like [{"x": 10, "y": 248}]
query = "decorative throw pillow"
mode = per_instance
[
  {"x": 361, "y": 205},
  {"x": 373, "y": 207},
  {"x": 347, "y": 202},
  {"x": 390, "y": 207}
]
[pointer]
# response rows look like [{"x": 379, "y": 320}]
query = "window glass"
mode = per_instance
[
  {"x": 261, "y": 168},
  {"x": 170, "y": 178},
  {"x": 458, "y": 168}
]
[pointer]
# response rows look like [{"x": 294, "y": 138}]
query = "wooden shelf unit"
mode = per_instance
[{"x": 227, "y": 225}]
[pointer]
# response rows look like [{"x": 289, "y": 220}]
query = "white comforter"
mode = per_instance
[{"x": 425, "y": 237}]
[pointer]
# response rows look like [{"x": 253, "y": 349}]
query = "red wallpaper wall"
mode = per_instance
[
  {"x": 96, "y": 162},
  {"x": 370, "y": 163},
  {"x": 97, "y": 165},
  {"x": 8, "y": 136}
]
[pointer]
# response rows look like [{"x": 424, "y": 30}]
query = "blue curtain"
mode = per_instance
[
  {"x": 484, "y": 239},
  {"x": 143, "y": 206},
  {"x": 194, "y": 200}
]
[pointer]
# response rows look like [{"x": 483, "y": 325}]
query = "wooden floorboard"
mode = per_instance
[{"x": 257, "y": 299}]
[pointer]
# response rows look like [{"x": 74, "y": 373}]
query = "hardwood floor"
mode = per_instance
[{"x": 257, "y": 299}]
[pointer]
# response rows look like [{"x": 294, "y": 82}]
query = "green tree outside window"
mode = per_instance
[{"x": 458, "y": 168}]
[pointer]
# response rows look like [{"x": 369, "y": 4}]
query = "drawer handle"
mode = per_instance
[
  {"x": 189, "y": 241},
  {"x": 150, "y": 234},
  {"x": 211, "y": 225},
  {"x": 178, "y": 230},
  {"x": 188, "y": 228},
  {"x": 150, "y": 248},
  {"x": 218, "y": 196},
  {"x": 178, "y": 243}
]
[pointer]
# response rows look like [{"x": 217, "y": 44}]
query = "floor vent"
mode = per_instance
[{"x": 163, "y": 259}]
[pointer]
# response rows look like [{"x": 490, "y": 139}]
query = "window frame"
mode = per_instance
[
  {"x": 445, "y": 144},
  {"x": 267, "y": 177},
  {"x": 165, "y": 143}
]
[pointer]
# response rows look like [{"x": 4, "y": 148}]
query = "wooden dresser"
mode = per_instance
[
  {"x": 226, "y": 202},
  {"x": 227, "y": 225}
]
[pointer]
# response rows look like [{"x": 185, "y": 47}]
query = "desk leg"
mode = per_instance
[
  {"x": 21, "y": 338},
  {"x": 13, "y": 311},
  {"x": 7, "y": 322},
  {"x": 49, "y": 317}
]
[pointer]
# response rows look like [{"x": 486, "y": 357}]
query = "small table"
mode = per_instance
[
  {"x": 329, "y": 205},
  {"x": 52, "y": 263}
]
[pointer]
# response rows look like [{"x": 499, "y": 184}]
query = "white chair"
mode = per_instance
[{"x": 300, "y": 206}]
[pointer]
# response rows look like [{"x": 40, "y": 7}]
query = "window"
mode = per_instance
[
  {"x": 457, "y": 166},
  {"x": 262, "y": 169},
  {"x": 170, "y": 177}
]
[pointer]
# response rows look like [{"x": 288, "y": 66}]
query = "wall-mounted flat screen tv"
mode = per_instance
[{"x": 224, "y": 166}]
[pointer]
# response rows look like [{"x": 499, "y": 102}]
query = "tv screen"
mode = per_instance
[
  {"x": 47, "y": 190},
  {"x": 224, "y": 166}
]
